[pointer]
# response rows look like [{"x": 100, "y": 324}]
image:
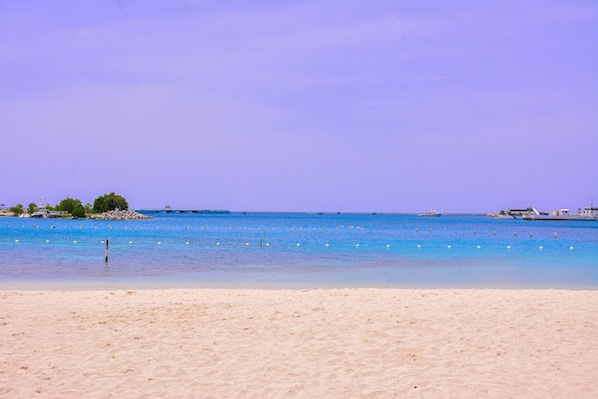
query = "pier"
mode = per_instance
[{"x": 168, "y": 209}]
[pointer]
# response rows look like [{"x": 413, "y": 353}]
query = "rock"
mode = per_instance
[{"x": 120, "y": 215}]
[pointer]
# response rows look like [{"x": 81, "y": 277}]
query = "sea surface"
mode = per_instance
[{"x": 299, "y": 250}]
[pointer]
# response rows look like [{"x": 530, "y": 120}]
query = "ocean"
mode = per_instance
[{"x": 300, "y": 250}]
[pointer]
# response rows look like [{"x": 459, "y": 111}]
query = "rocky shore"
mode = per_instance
[{"x": 120, "y": 215}]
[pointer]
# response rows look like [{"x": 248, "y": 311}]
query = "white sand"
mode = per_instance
[{"x": 370, "y": 343}]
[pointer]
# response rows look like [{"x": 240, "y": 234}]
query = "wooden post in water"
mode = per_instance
[{"x": 107, "y": 244}]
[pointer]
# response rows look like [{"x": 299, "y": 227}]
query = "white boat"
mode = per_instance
[
  {"x": 43, "y": 213},
  {"x": 431, "y": 212},
  {"x": 587, "y": 214}
]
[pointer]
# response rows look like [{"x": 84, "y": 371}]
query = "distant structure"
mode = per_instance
[{"x": 168, "y": 209}]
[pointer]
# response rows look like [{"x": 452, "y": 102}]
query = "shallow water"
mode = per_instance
[{"x": 301, "y": 250}]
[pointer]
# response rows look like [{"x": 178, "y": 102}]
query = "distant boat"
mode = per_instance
[
  {"x": 587, "y": 214},
  {"x": 43, "y": 213},
  {"x": 431, "y": 212}
]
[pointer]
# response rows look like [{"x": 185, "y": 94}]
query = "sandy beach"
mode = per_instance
[{"x": 331, "y": 343}]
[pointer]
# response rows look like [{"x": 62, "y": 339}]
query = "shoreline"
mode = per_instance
[
  {"x": 151, "y": 284},
  {"x": 349, "y": 342}
]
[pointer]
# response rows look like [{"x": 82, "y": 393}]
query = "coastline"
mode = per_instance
[{"x": 349, "y": 342}]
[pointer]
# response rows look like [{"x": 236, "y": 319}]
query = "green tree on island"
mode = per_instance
[
  {"x": 68, "y": 205},
  {"x": 78, "y": 212},
  {"x": 31, "y": 208},
  {"x": 17, "y": 209},
  {"x": 110, "y": 202}
]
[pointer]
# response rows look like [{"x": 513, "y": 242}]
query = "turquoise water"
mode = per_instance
[{"x": 301, "y": 250}]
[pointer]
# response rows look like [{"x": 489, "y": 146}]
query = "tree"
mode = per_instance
[
  {"x": 31, "y": 208},
  {"x": 78, "y": 212},
  {"x": 68, "y": 205},
  {"x": 17, "y": 209},
  {"x": 109, "y": 202},
  {"x": 88, "y": 208}
]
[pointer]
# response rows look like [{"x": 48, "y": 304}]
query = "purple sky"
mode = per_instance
[{"x": 387, "y": 106}]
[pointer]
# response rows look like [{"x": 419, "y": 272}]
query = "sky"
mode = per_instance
[{"x": 317, "y": 106}]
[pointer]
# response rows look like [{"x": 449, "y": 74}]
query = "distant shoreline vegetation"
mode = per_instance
[{"x": 70, "y": 208}]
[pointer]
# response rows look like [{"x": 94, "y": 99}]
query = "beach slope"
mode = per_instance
[{"x": 370, "y": 343}]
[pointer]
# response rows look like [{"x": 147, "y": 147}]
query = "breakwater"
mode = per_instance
[{"x": 120, "y": 215}]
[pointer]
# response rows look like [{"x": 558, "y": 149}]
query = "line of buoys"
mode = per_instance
[{"x": 298, "y": 244}]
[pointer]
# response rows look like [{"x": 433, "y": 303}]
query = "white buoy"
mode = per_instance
[
  {"x": 130, "y": 242},
  {"x": 246, "y": 244},
  {"x": 102, "y": 242},
  {"x": 74, "y": 242},
  {"x": 356, "y": 245},
  {"x": 327, "y": 245},
  {"x": 298, "y": 244},
  {"x": 16, "y": 240},
  {"x": 187, "y": 243},
  {"x": 448, "y": 246},
  {"x": 387, "y": 245},
  {"x": 419, "y": 246},
  {"x": 159, "y": 242},
  {"x": 479, "y": 246},
  {"x": 217, "y": 244},
  {"x": 267, "y": 244},
  {"x": 508, "y": 247},
  {"x": 540, "y": 247},
  {"x": 571, "y": 248},
  {"x": 47, "y": 241}
]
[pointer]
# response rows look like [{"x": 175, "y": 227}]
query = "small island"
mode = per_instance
[{"x": 106, "y": 207}]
